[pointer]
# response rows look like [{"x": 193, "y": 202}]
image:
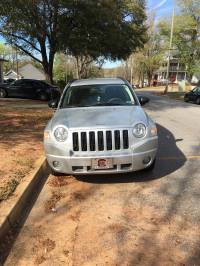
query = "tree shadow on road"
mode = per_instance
[
  {"x": 169, "y": 159},
  {"x": 163, "y": 103}
]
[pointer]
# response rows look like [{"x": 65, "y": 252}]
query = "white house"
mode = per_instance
[{"x": 28, "y": 71}]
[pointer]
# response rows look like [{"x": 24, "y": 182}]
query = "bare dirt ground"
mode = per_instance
[
  {"x": 145, "y": 219},
  {"x": 21, "y": 133},
  {"x": 127, "y": 223}
]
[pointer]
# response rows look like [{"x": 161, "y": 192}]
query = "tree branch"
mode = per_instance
[
  {"x": 28, "y": 53},
  {"x": 23, "y": 39}
]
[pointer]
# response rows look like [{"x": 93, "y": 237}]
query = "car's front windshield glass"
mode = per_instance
[
  {"x": 98, "y": 95},
  {"x": 196, "y": 89}
]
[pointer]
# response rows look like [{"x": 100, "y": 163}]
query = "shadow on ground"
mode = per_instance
[
  {"x": 164, "y": 102},
  {"x": 169, "y": 159}
]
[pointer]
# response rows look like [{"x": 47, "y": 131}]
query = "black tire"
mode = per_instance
[
  {"x": 151, "y": 166},
  {"x": 186, "y": 100},
  {"x": 198, "y": 101},
  {"x": 3, "y": 93},
  {"x": 42, "y": 97}
]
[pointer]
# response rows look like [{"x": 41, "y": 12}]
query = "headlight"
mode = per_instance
[
  {"x": 60, "y": 134},
  {"x": 139, "y": 130}
]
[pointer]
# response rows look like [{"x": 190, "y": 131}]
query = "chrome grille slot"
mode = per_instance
[
  {"x": 100, "y": 140},
  {"x": 117, "y": 140},
  {"x": 125, "y": 139},
  {"x": 83, "y": 141},
  {"x": 92, "y": 141},
  {"x": 109, "y": 140},
  {"x": 75, "y": 141}
]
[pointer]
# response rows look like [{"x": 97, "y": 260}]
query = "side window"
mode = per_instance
[
  {"x": 40, "y": 85},
  {"x": 27, "y": 83},
  {"x": 17, "y": 82}
]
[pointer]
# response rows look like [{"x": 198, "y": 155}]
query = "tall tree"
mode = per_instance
[
  {"x": 86, "y": 29},
  {"x": 32, "y": 26},
  {"x": 107, "y": 29},
  {"x": 146, "y": 61},
  {"x": 186, "y": 36}
]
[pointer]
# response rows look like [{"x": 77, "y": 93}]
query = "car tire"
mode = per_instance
[
  {"x": 186, "y": 100},
  {"x": 3, "y": 93},
  {"x": 42, "y": 97},
  {"x": 151, "y": 166},
  {"x": 198, "y": 101}
]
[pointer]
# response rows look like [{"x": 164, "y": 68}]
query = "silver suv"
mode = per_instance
[{"x": 99, "y": 127}]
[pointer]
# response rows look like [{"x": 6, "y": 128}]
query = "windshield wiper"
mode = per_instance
[
  {"x": 111, "y": 104},
  {"x": 97, "y": 104}
]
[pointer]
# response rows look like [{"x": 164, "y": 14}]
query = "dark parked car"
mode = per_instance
[
  {"x": 8, "y": 81},
  {"x": 29, "y": 88},
  {"x": 193, "y": 96}
]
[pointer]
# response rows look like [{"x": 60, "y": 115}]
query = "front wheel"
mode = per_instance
[
  {"x": 42, "y": 97},
  {"x": 198, "y": 101},
  {"x": 186, "y": 100},
  {"x": 3, "y": 93}
]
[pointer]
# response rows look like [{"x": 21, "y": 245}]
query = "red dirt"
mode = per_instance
[{"x": 21, "y": 137}]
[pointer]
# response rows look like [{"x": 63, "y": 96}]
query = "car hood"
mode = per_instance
[{"x": 94, "y": 117}]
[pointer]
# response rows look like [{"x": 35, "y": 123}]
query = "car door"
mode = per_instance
[
  {"x": 16, "y": 89},
  {"x": 30, "y": 89}
]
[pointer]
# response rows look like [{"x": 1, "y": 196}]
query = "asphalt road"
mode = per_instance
[{"x": 136, "y": 219}]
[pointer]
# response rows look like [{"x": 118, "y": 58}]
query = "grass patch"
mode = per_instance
[{"x": 8, "y": 190}]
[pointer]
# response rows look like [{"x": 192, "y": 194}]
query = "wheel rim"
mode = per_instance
[
  {"x": 43, "y": 97},
  {"x": 2, "y": 93}
]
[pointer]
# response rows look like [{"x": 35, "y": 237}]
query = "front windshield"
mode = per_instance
[
  {"x": 196, "y": 89},
  {"x": 98, "y": 95}
]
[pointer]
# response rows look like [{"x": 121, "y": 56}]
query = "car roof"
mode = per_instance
[
  {"x": 32, "y": 80},
  {"x": 82, "y": 82}
]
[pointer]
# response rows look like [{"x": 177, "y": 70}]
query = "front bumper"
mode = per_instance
[{"x": 122, "y": 163}]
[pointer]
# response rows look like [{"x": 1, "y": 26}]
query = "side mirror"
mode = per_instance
[
  {"x": 143, "y": 100},
  {"x": 53, "y": 103}
]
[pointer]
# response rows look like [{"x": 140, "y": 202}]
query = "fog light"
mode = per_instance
[
  {"x": 56, "y": 164},
  {"x": 146, "y": 160}
]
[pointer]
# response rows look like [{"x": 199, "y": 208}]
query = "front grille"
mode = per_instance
[{"x": 100, "y": 140}]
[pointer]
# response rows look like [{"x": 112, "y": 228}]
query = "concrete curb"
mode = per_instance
[{"x": 12, "y": 221}]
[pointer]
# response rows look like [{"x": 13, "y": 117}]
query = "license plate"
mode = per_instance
[{"x": 102, "y": 163}]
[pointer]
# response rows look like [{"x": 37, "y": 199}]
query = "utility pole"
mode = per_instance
[{"x": 170, "y": 48}]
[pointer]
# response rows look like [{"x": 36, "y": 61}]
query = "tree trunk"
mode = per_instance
[
  {"x": 47, "y": 63},
  {"x": 149, "y": 78},
  {"x": 48, "y": 71},
  {"x": 83, "y": 64}
]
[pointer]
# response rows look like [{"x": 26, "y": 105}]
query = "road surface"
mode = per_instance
[{"x": 135, "y": 219}]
